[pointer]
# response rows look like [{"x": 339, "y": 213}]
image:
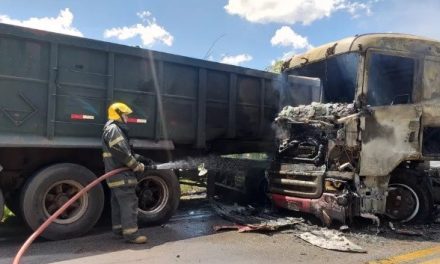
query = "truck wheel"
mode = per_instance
[
  {"x": 2, "y": 205},
  {"x": 159, "y": 196},
  {"x": 53, "y": 186},
  {"x": 409, "y": 197}
]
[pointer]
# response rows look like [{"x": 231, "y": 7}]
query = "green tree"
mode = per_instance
[{"x": 275, "y": 67}]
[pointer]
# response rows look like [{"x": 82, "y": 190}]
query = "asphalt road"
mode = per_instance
[{"x": 189, "y": 238}]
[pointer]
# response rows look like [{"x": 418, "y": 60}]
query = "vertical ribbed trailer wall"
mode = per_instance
[{"x": 48, "y": 80}]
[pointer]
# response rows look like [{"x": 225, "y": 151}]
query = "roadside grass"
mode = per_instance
[
  {"x": 188, "y": 187},
  {"x": 6, "y": 214}
]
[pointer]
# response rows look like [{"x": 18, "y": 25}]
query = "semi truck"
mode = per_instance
[
  {"x": 359, "y": 122},
  {"x": 363, "y": 146},
  {"x": 55, "y": 90}
]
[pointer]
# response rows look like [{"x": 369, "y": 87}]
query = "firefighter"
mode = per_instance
[{"x": 117, "y": 153}]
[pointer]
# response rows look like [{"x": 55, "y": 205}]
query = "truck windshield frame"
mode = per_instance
[{"x": 338, "y": 74}]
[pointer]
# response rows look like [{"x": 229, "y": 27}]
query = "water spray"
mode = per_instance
[{"x": 202, "y": 164}]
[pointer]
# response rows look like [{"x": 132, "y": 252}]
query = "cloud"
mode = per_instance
[
  {"x": 150, "y": 34},
  {"x": 413, "y": 18},
  {"x": 236, "y": 60},
  {"x": 60, "y": 24},
  {"x": 286, "y": 37},
  {"x": 291, "y": 12},
  {"x": 144, "y": 14},
  {"x": 354, "y": 8}
]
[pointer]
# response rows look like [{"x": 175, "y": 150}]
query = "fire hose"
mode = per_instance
[{"x": 40, "y": 230}]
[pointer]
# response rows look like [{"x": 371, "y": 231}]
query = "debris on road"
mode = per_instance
[
  {"x": 403, "y": 231},
  {"x": 250, "y": 219},
  {"x": 330, "y": 239},
  {"x": 344, "y": 228}
]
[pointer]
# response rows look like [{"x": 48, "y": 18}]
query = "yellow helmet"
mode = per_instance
[{"x": 117, "y": 109}]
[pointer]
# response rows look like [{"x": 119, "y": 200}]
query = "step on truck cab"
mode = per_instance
[{"x": 359, "y": 149}]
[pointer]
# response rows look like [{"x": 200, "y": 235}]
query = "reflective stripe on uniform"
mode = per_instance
[
  {"x": 132, "y": 181},
  {"x": 106, "y": 155},
  {"x": 115, "y": 184},
  {"x": 117, "y": 227},
  {"x": 131, "y": 162},
  {"x": 115, "y": 141},
  {"x": 129, "y": 231}
]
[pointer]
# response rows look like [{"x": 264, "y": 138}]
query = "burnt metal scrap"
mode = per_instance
[
  {"x": 250, "y": 219},
  {"x": 329, "y": 112},
  {"x": 332, "y": 240},
  {"x": 306, "y": 129}
]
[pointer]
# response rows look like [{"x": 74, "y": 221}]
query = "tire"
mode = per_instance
[
  {"x": 2, "y": 205},
  {"x": 158, "y": 192},
  {"x": 414, "y": 192},
  {"x": 49, "y": 189}
]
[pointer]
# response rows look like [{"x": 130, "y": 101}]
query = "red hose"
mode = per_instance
[{"x": 61, "y": 210}]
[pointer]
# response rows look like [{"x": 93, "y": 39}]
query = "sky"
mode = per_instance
[{"x": 249, "y": 33}]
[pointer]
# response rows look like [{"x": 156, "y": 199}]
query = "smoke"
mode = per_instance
[{"x": 281, "y": 132}]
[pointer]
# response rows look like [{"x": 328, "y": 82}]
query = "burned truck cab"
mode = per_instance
[{"x": 356, "y": 149}]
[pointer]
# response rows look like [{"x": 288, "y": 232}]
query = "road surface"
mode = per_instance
[{"x": 189, "y": 238}]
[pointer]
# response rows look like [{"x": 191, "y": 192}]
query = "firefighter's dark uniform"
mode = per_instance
[{"x": 117, "y": 153}]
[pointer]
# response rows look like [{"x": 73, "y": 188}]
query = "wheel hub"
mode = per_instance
[
  {"x": 59, "y": 194},
  {"x": 61, "y": 199},
  {"x": 152, "y": 193},
  {"x": 147, "y": 197}
]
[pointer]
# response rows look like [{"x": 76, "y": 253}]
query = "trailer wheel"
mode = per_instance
[
  {"x": 159, "y": 196},
  {"x": 409, "y": 197},
  {"x": 53, "y": 186},
  {"x": 2, "y": 204}
]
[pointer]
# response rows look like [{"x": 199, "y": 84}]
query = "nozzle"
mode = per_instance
[{"x": 151, "y": 167}]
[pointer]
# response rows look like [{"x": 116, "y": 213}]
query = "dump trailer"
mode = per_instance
[
  {"x": 55, "y": 90},
  {"x": 361, "y": 149}
]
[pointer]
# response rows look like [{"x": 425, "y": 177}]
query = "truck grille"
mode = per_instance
[{"x": 299, "y": 180}]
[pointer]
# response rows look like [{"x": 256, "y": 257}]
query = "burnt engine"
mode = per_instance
[
  {"x": 313, "y": 163},
  {"x": 314, "y": 134}
]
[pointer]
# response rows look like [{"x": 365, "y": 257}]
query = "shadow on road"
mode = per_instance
[{"x": 193, "y": 219}]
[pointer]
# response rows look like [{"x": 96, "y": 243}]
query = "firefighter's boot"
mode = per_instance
[{"x": 138, "y": 240}]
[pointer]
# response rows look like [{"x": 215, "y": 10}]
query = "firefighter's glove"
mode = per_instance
[
  {"x": 139, "y": 168},
  {"x": 148, "y": 161},
  {"x": 144, "y": 160}
]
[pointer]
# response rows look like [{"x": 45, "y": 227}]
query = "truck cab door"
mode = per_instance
[{"x": 390, "y": 134}]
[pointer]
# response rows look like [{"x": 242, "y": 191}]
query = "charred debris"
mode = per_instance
[{"x": 311, "y": 149}]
